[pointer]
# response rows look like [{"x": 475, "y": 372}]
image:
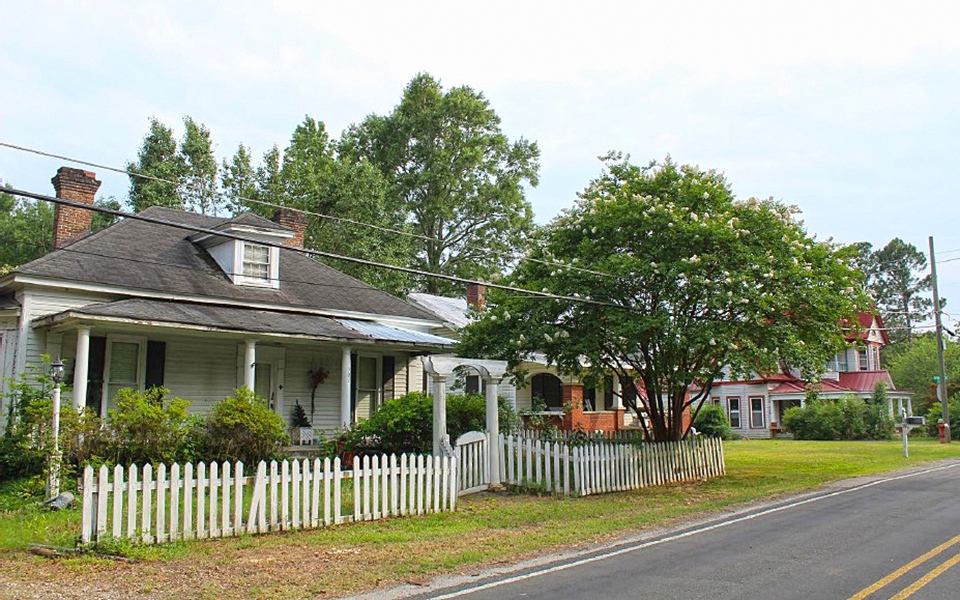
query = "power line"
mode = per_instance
[
  {"x": 311, "y": 253},
  {"x": 381, "y": 228}
]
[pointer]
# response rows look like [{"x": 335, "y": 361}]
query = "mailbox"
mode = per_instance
[{"x": 915, "y": 420}]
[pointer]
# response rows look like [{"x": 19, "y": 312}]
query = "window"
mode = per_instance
[
  {"x": 368, "y": 389},
  {"x": 547, "y": 387},
  {"x": 863, "y": 359},
  {"x": 842, "y": 362},
  {"x": 124, "y": 367},
  {"x": 256, "y": 261},
  {"x": 472, "y": 384},
  {"x": 756, "y": 413},
  {"x": 715, "y": 400},
  {"x": 733, "y": 410}
]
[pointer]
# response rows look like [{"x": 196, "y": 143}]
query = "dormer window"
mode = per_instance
[{"x": 256, "y": 261}]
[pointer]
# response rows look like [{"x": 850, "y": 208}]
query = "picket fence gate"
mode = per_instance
[
  {"x": 599, "y": 467},
  {"x": 473, "y": 462},
  {"x": 197, "y": 502}
]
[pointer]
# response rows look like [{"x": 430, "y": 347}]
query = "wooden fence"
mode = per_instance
[
  {"x": 473, "y": 462},
  {"x": 195, "y": 502},
  {"x": 599, "y": 467}
]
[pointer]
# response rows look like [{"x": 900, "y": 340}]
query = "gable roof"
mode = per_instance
[
  {"x": 141, "y": 256},
  {"x": 864, "y": 324}
]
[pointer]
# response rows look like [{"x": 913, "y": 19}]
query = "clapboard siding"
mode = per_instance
[
  {"x": 40, "y": 303},
  {"x": 198, "y": 370},
  {"x": 300, "y": 362}
]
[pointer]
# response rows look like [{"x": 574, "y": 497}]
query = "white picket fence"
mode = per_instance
[
  {"x": 599, "y": 467},
  {"x": 197, "y": 502},
  {"x": 472, "y": 460}
]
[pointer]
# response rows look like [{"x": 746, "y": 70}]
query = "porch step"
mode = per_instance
[{"x": 300, "y": 451}]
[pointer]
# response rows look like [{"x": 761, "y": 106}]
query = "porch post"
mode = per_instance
[
  {"x": 439, "y": 413},
  {"x": 345, "y": 378},
  {"x": 890, "y": 407},
  {"x": 617, "y": 392},
  {"x": 249, "y": 364},
  {"x": 899, "y": 408},
  {"x": 493, "y": 432},
  {"x": 81, "y": 368},
  {"x": 910, "y": 406}
]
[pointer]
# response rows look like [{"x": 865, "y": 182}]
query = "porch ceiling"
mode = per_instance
[{"x": 225, "y": 318}]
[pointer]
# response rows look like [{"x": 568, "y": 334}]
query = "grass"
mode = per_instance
[{"x": 487, "y": 529}]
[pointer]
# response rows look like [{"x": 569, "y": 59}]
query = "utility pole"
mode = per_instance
[{"x": 942, "y": 383}]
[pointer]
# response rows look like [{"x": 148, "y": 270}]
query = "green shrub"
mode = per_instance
[
  {"x": 845, "y": 419},
  {"x": 146, "y": 427},
  {"x": 243, "y": 428},
  {"x": 405, "y": 424},
  {"x": 935, "y": 413},
  {"x": 712, "y": 422},
  {"x": 27, "y": 439}
]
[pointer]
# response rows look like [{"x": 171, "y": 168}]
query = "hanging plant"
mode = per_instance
[{"x": 317, "y": 377}]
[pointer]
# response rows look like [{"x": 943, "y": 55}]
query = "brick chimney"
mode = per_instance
[
  {"x": 292, "y": 219},
  {"x": 71, "y": 222},
  {"x": 476, "y": 296}
]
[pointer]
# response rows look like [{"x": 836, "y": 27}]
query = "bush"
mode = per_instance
[
  {"x": 845, "y": 419},
  {"x": 712, "y": 422},
  {"x": 935, "y": 413},
  {"x": 145, "y": 427},
  {"x": 27, "y": 439},
  {"x": 405, "y": 424},
  {"x": 242, "y": 428}
]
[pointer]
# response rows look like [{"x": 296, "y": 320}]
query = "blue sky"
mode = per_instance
[{"x": 850, "y": 110}]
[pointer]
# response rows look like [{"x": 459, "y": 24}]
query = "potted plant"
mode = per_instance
[{"x": 302, "y": 432}]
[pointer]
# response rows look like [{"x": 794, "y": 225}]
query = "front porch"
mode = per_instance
[{"x": 336, "y": 372}]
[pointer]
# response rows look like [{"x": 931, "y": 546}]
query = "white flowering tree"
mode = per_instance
[{"x": 687, "y": 283}]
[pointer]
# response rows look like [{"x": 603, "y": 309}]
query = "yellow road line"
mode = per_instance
[
  {"x": 907, "y": 567},
  {"x": 916, "y": 585}
]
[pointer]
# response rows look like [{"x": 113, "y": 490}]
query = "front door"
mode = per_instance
[{"x": 263, "y": 383}]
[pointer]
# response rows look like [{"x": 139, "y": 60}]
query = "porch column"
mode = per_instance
[
  {"x": 439, "y": 413},
  {"x": 890, "y": 407},
  {"x": 910, "y": 406},
  {"x": 899, "y": 408},
  {"x": 617, "y": 392},
  {"x": 81, "y": 368},
  {"x": 493, "y": 432},
  {"x": 345, "y": 379},
  {"x": 249, "y": 364}
]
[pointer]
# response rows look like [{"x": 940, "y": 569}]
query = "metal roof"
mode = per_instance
[{"x": 380, "y": 331}]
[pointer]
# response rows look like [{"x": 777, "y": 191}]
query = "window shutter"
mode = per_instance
[
  {"x": 156, "y": 359},
  {"x": 389, "y": 366},
  {"x": 98, "y": 355}
]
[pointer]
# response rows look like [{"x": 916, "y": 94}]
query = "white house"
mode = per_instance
[{"x": 143, "y": 304}]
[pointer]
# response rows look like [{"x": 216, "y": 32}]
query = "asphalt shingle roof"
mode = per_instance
[{"x": 148, "y": 257}]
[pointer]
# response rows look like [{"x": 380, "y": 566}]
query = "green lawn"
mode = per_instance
[{"x": 487, "y": 528}]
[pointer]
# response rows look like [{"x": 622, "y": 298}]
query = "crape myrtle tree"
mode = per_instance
[{"x": 695, "y": 283}]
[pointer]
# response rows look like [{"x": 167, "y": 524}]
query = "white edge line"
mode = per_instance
[{"x": 721, "y": 524}]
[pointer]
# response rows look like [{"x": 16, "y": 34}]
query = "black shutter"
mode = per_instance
[
  {"x": 389, "y": 366},
  {"x": 98, "y": 356},
  {"x": 156, "y": 359},
  {"x": 353, "y": 387}
]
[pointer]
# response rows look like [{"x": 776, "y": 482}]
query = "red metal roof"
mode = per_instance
[
  {"x": 862, "y": 329},
  {"x": 865, "y": 381}
]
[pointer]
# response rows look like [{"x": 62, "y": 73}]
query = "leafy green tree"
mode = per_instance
[
  {"x": 916, "y": 366},
  {"x": 699, "y": 281},
  {"x": 100, "y": 220},
  {"x": 199, "y": 176},
  {"x": 454, "y": 176},
  {"x": 26, "y": 230},
  {"x": 899, "y": 284},
  {"x": 239, "y": 180},
  {"x": 158, "y": 157}
]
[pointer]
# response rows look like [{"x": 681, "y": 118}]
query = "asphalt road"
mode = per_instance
[{"x": 885, "y": 538}]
